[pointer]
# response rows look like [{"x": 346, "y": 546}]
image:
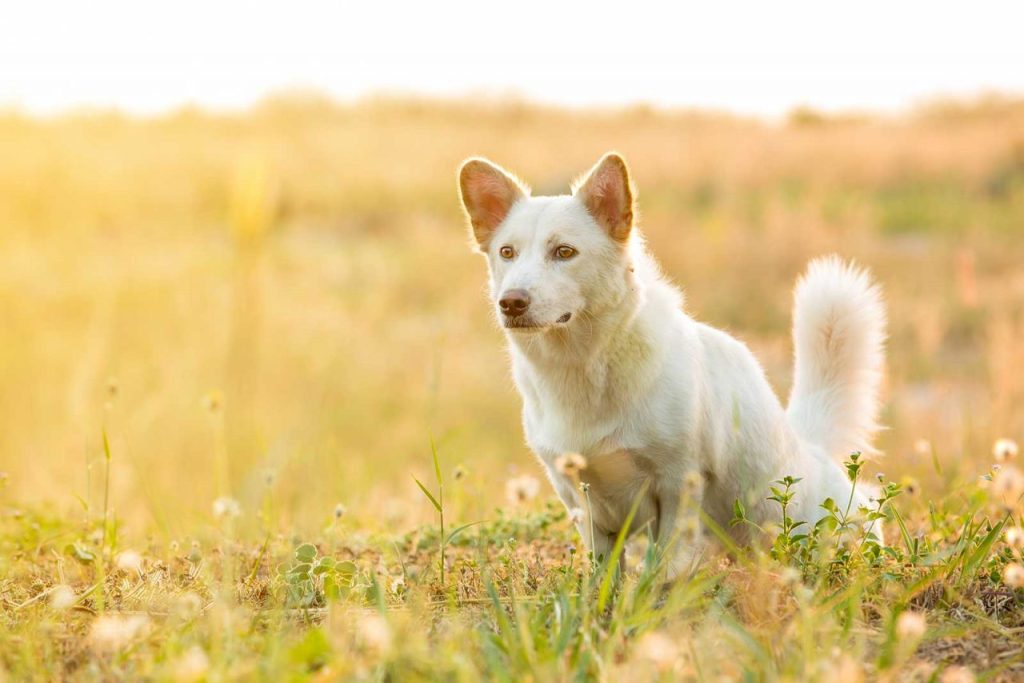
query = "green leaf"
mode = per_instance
[
  {"x": 437, "y": 464},
  {"x": 981, "y": 552},
  {"x": 80, "y": 553},
  {"x": 459, "y": 529},
  {"x": 428, "y": 494},
  {"x": 904, "y": 532},
  {"x": 739, "y": 513},
  {"x": 305, "y": 552}
]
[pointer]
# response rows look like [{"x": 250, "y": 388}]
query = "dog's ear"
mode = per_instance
[
  {"x": 488, "y": 192},
  {"x": 607, "y": 192}
]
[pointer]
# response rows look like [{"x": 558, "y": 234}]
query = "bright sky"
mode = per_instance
[{"x": 757, "y": 57}]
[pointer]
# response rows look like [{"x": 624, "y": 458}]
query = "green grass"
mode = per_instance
[
  {"x": 516, "y": 599},
  {"x": 225, "y": 339}
]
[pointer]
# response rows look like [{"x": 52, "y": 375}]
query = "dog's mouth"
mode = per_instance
[
  {"x": 529, "y": 324},
  {"x": 524, "y": 324}
]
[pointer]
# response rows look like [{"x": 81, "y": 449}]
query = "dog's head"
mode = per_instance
[{"x": 552, "y": 260}]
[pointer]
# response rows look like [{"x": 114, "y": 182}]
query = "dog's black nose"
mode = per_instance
[{"x": 514, "y": 302}]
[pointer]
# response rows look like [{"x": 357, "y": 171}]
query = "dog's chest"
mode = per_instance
[
  {"x": 580, "y": 422},
  {"x": 615, "y": 481}
]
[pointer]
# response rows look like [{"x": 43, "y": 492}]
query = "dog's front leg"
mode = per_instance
[
  {"x": 569, "y": 494},
  {"x": 679, "y": 528},
  {"x": 596, "y": 540}
]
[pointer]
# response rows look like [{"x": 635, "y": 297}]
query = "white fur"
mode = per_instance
[
  {"x": 649, "y": 396},
  {"x": 839, "y": 334}
]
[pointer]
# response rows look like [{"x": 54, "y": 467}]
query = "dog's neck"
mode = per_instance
[
  {"x": 587, "y": 341},
  {"x": 579, "y": 374}
]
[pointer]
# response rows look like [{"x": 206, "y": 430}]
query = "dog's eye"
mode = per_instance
[
  {"x": 564, "y": 252},
  {"x": 507, "y": 253}
]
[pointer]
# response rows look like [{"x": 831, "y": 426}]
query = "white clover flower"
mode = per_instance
[
  {"x": 957, "y": 674},
  {"x": 576, "y": 515},
  {"x": 1007, "y": 485},
  {"x": 226, "y": 507},
  {"x": 375, "y": 632},
  {"x": 521, "y": 489},
  {"x": 658, "y": 649},
  {"x": 193, "y": 665},
  {"x": 1013, "y": 575},
  {"x": 911, "y": 625},
  {"x": 1004, "y": 450},
  {"x": 570, "y": 464},
  {"x": 790, "y": 576},
  {"x": 1014, "y": 537},
  {"x": 129, "y": 561},
  {"x": 111, "y": 632},
  {"x": 63, "y": 597}
]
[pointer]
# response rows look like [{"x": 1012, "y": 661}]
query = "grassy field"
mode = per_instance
[{"x": 227, "y": 343}]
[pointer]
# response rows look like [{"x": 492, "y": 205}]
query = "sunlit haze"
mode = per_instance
[{"x": 759, "y": 58}]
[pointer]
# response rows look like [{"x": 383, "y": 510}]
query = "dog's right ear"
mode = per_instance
[{"x": 488, "y": 192}]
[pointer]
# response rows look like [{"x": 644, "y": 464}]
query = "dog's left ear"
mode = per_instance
[{"x": 608, "y": 194}]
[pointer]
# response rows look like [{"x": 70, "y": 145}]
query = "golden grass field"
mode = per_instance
[{"x": 281, "y": 307}]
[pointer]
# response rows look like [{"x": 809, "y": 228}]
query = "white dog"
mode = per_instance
[{"x": 659, "y": 405}]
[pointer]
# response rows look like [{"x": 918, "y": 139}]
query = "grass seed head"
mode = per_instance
[
  {"x": 213, "y": 402},
  {"x": 911, "y": 487}
]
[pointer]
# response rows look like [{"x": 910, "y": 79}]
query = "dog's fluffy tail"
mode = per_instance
[{"x": 839, "y": 338}]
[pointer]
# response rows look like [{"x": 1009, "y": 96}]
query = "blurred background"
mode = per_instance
[{"x": 230, "y": 237}]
